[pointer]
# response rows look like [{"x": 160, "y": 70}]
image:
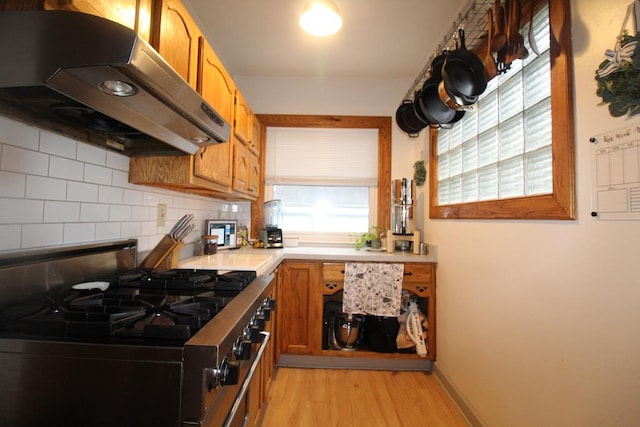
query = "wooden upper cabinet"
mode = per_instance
[
  {"x": 135, "y": 14},
  {"x": 246, "y": 171},
  {"x": 178, "y": 40},
  {"x": 256, "y": 138},
  {"x": 214, "y": 82},
  {"x": 242, "y": 126},
  {"x": 217, "y": 88}
]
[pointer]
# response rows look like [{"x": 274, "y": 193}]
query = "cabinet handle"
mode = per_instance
[{"x": 407, "y": 273}]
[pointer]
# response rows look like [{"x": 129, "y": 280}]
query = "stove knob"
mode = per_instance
[
  {"x": 246, "y": 350},
  {"x": 232, "y": 373},
  {"x": 269, "y": 304},
  {"x": 260, "y": 319},
  {"x": 255, "y": 329}
]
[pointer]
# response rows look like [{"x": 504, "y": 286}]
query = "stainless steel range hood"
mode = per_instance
[{"x": 97, "y": 81}]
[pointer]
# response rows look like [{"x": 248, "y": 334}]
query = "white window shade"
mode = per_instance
[{"x": 321, "y": 156}]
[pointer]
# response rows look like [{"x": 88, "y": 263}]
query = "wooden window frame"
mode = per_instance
[
  {"x": 382, "y": 124},
  {"x": 561, "y": 203}
]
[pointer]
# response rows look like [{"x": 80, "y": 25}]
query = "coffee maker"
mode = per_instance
[
  {"x": 403, "y": 236},
  {"x": 271, "y": 234}
]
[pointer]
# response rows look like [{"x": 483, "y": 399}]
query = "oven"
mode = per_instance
[{"x": 153, "y": 348}]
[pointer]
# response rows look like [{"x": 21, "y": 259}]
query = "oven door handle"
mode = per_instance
[{"x": 245, "y": 384}]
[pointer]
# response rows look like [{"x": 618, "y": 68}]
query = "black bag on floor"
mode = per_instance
[{"x": 381, "y": 332}]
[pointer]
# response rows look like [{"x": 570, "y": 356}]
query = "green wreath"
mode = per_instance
[{"x": 618, "y": 77}]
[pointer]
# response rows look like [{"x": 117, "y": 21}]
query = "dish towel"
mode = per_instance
[{"x": 372, "y": 288}]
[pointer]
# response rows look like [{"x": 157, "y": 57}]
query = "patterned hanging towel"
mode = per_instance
[{"x": 372, "y": 288}]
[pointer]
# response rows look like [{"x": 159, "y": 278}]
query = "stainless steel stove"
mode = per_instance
[{"x": 132, "y": 347}]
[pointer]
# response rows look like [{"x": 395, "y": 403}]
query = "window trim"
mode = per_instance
[
  {"x": 382, "y": 124},
  {"x": 561, "y": 204}
]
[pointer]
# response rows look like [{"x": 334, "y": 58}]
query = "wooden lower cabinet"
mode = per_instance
[
  {"x": 299, "y": 308},
  {"x": 306, "y": 284}
]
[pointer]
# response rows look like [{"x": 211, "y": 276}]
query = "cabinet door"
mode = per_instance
[
  {"x": 256, "y": 138},
  {"x": 254, "y": 175},
  {"x": 178, "y": 40},
  {"x": 216, "y": 87},
  {"x": 300, "y": 309},
  {"x": 242, "y": 127},
  {"x": 241, "y": 165}
]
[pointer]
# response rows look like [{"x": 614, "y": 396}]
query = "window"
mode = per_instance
[
  {"x": 325, "y": 178},
  {"x": 363, "y": 194},
  {"x": 513, "y": 156}
]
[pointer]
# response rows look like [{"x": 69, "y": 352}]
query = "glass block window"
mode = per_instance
[{"x": 503, "y": 148}]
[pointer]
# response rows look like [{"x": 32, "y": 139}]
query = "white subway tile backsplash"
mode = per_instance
[
  {"x": 61, "y": 211},
  {"x": 58, "y": 145},
  {"x": 38, "y": 235},
  {"x": 94, "y": 212},
  {"x": 16, "y": 133},
  {"x": 82, "y": 192},
  {"x": 130, "y": 229},
  {"x": 148, "y": 228},
  {"x": 40, "y": 187},
  {"x": 121, "y": 179},
  {"x": 45, "y": 200},
  {"x": 91, "y": 154},
  {"x": 12, "y": 184},
  {"x": 97, "y": 174},
  {"x": 10, "y": 237},
  {"x": 79, "y": 232},
  {"x": 132, "y": 197},
  {"x": 110, "y": 194},
  {"x": 21, "y": 211},
  {"x": 16, "y": 159},
  {"x": 108, "y": 231},
  {"x": 60, "y": 167},
  {"x": 140, "y": 213},
  {"x": 117, "y": 161},
  {"x": 119, "y": 213}
]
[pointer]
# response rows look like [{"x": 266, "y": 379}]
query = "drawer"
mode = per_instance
[
  {"x": 333, "y": 272},
  {"x": 418, "y": 273}
]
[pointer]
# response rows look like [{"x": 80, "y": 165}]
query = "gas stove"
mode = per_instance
[
  {"x": 163, "y": 348},
  {"x": 145, "y": 305}
]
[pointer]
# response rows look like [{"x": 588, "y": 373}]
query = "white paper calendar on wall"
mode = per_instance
[{"x": 616, "y": 174}]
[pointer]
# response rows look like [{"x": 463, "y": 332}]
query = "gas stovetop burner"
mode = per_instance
[{"x": 171, "y": 304}]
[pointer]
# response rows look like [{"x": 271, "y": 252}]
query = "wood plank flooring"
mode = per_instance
[{"x": 355, "y": 398}]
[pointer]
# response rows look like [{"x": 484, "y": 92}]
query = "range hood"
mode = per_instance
[{"x": 96, "y": 80}]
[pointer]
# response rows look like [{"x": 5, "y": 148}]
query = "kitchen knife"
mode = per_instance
[
  {"x": 178, "y": 225},
  {"x": 185, "y": 232}
]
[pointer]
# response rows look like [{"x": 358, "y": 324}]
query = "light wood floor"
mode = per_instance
[{"x": 328, "y": 397}]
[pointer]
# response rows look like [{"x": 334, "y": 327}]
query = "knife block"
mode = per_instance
[{"x": 164, "y": 256}]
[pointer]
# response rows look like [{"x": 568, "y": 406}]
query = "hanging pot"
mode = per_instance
[
  {"x": 463, "y": 71},
  {"x": 453, "y": 101},
  {"x": 431, "y": 106},
  {"x": 408, "y": 120}
]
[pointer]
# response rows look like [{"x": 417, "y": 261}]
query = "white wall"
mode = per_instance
[
  {"x": 537, "y": 320},
  {"x": 56, "y": 191}
]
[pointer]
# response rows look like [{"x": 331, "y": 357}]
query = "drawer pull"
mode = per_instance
[{"x": 408, "y": 273}]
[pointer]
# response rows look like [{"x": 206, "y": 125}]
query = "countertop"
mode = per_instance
[{"x": 263, "y": 261}]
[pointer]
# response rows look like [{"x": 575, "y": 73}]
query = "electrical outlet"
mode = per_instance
[{"x": 162, "y": 215}]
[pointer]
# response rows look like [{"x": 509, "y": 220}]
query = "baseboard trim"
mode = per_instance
[
  {"x": 458, "y": 398},
  {"x": 332, "y": 362}
]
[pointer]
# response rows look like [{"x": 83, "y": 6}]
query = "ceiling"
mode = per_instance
[{"x": 379, "y": 38}]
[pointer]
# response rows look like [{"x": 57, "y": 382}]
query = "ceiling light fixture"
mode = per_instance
[{"x": 321, "y": 18}]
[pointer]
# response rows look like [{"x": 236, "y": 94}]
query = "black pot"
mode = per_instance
[
  {"x": 453, "y": 101},
  {"x": 430, "y": 104},
  {"x": 408, "y": 120},
  {"x": 463, "y": 71}
]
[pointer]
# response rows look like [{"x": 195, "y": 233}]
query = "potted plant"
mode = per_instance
[{"x": 370, "y": 238}]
